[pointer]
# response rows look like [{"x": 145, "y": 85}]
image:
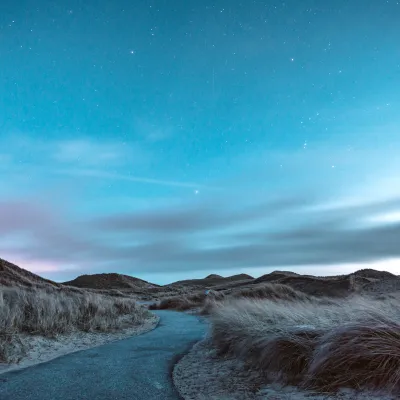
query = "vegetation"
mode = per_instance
[
  {"x": 205, "y": 302},
  {"x": 49, "y": 311},
  {"x": 321, "y": 345},
  {"x": 180, "y": 303},
  {"x": 272, "y": 291},
  {"x": 187, "y": 302}
]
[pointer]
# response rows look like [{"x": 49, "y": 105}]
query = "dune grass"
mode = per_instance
[
  {"x": 48, "y": 311},
  {"x": 180, "y": 302},
  {"x": 272, "y": 291},
  {"x": 323, "y": 345},
  {"x": 184, "y": 302}
]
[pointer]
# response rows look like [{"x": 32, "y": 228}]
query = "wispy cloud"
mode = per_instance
[
  {"x": 87, "y": 152},
  {"x": 207, "y": 237},
  {"x": 152, "y": 131},
  {"x": 99, "y": 174},
  {"x": 81, "y": 151},
  {"x": 329, "y": 216}
]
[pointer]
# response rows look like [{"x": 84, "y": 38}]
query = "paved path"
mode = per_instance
[{"x": 138, "y": 368}]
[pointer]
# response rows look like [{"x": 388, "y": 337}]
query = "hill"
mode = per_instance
[
  {"x": 275, "y": 276},
  {"x": 364, "y": 280},
  {"x": 319, "y": 287},
  {"x": 12, "y": 275},
  {"x": 210, "y": 281},
  {"x": 374, "y": 274},
  {"x": 110, "y": 281},
  {"x": 214, "y": 276},
  {"x": 34, "y": 309}
]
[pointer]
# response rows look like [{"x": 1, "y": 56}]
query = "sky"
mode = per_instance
[{"x": 172, "y": 140}]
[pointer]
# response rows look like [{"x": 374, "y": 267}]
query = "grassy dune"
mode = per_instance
[
  {"x": 49, "y": 311},
  {"x": 271, "y": 291},
  {"x": 180, "y": 302},
  {"x": 184, "y": 302},
  {"x": 316, "y": 344}
]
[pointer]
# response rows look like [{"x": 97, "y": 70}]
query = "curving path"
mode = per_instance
[{"x": 137, "y": 368}]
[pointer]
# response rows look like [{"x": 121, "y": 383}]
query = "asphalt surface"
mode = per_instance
[{"x": 137, "y": 368}]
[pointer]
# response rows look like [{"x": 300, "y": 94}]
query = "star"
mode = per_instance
[{"x": 196, "y": 192}]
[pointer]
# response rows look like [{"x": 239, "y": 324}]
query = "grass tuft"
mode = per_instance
[
  {"x": 319, "y": 344},
  {"x": 357, "y": 355},
  {"x": 48, "y": 311}
]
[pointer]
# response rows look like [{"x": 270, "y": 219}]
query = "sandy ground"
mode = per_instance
[
  {"x": 200, "y": 375},
  {"x": 38, "y": 349}
]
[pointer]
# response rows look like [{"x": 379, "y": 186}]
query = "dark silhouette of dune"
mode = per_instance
[
  {"x": 214, "y": 276},
  {"x": 210, "y": 281},
  {"x": 110, "y": 281},
  {"x": 374, "y": 274}
]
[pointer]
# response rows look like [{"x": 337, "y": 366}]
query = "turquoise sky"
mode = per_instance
[{"x": 177, "y": 139}]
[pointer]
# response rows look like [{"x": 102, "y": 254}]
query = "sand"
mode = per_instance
[
  {"x": 39, "y": 349},
  {"x": 201, "y": 375}
]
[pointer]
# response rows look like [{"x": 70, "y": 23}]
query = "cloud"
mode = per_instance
[
  {"x": 5, "y": 158},
  {"x": 208, "y": 237},
  {"x": 199, "y": 217},
  {"x": 101, "y": 174},
  {"x": 87, "y": 152},
  {"x": 21, "y": 216},
  {"x": 232, "y": 227},
  {"x": 81, "y": 151},
  {"x": 83, "y": 157},
  {"x": 151, "y": 131}
]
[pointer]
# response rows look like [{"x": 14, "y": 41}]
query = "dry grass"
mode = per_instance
[
  {"x": 52, "y": 311},
  {"x": 272, "y": 291},
  {"x": 188, "y": 302},
  {"x": 358, "y": 355},
  {"x": 180, "y": 303},
  {"x": 323, "y": 345},
  {"x": 184, "y": 302}
]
